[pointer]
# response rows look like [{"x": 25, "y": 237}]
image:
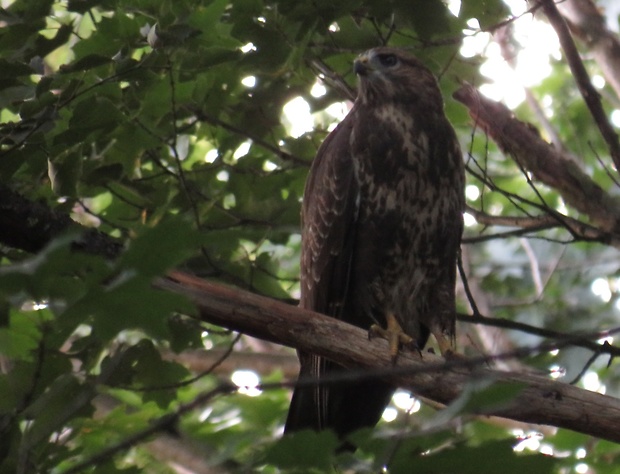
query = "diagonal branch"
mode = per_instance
[
  {"x": 526, "y": 225},
  {"x": 542, "y": 400},
  {"x": 548, "y": 165},
  {"x": 587, "y": 22},
  {"x": 576, "y": 341},
  {"x": 589, "y": 94}
]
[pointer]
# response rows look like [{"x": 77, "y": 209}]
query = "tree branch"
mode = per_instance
[
  {"x": 574, "y": 339},
  {"x": 543, "y": 161},
  {"x": 30, "y": 226},
  {"x": 588, "y": 24},
  {"x": 589, "y": 94},
  {"x": 201, "y": 360},
  {"x": 531, "y": 224},
  {"x": 216, "y": 122},
  {"x": 542, "y": 400}
]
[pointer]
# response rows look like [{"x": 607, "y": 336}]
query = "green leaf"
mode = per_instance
[
  {"x": 487, "y": 12},
  {"x": 493, "y": 456},
  {"x": 9, "y": 69},
  {"x": 64, "y": 173},
  {"x": 303, "y": 451},
  {"x": 85, "y": 63},
  {"x": 160, "y": 248},
  {"x": 142, "y": 367},
  {"x": 130, "y": 303},
  {"x": 22, "y": 337},
  {"x": 66, "y": 398},
  {"x": 95, "y": 113}
]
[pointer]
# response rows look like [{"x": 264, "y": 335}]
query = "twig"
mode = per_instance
[
  {"x": 587, "y": 365},
  {"x": 184, "y": 383},
  {"x": 468, "y": 292},
  {"x": 530, "y": 224},
  {"x": 335, "y": 79},
  {"x": 201, "y": 115},
  {"x": 544, "y": 221},
  {"x": 547, "y": 164},
  {"x": 174, "y": 141},
  {"x": 586, "y": 341},
  {"x": 603, "y": 165},
  {"x": 534, "y": 267},
  {"x": 160, "y": 424}
]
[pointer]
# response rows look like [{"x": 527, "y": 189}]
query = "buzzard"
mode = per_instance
[{"x": 382, "y": 219}]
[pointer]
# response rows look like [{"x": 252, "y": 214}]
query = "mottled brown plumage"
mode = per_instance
[{"x": 382, "y": 223}]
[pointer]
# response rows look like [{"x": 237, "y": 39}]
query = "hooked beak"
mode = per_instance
[{"x": 361, "y": 65}]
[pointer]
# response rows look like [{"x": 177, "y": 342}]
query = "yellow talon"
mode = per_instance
[
  {"x": 394, "y": 334},
  {"x": 446, "y": 345}
]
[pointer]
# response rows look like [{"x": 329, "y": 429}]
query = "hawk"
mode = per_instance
[{"x": 382, "y": 219}]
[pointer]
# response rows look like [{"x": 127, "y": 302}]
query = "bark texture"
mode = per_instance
[{"x": 542, "y": 400}]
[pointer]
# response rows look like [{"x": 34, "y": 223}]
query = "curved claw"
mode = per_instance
[{"x": 393, "y": 333}]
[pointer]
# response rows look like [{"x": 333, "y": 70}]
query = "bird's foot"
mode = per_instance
[
  {"x": 393, "y": 333},
  {"x": 446, "y": 345}
]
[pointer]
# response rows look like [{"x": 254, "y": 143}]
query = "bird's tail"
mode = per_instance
[{"x": 343, "y": 407}]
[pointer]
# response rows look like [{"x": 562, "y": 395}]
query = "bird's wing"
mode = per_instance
[
  {"x": 328, "y": 218},
  {"x": 328, "y": 221}
]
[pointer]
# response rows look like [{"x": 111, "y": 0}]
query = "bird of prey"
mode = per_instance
[{"x": 382, "y": 219}]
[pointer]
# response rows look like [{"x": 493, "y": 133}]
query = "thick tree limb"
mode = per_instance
[
  {"x": 542, "y": 400},
  {"x": 544, "y": 162}
]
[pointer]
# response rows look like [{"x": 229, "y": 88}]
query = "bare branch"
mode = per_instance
[
  {"x": 333, "y": 78},
  {"x": 588, "y": 24},
  {"x": 589, "y": 94},
  {"x": 201, "y": 360},
  {"x": 530, "y": 224},
  {"x": 535, "y": 223},
  {"x": 547, "y": 164},
  {"x": 584, "y": 341},
  {"x": 542, "y": 400},
  {"x": 30, "y": 226},
  {"x": 283, "y": 155}
]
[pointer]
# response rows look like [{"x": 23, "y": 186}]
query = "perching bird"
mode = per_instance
[{"x": 382, "y": 219}]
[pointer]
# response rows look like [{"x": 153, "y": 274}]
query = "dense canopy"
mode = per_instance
[{"x": 180, "y": 133}]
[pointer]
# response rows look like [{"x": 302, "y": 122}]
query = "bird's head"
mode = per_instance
[{"x": 390, "y": 74}]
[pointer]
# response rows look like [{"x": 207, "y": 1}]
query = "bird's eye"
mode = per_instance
[{"x": 387, "y": 60}]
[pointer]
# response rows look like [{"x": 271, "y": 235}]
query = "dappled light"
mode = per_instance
[{"x": 153, "y": 166}]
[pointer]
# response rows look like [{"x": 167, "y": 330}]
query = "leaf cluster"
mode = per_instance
[{"x": 161, "y": 124}]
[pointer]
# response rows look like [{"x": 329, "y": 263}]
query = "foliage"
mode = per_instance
[{"x": 161, "y": 123}]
